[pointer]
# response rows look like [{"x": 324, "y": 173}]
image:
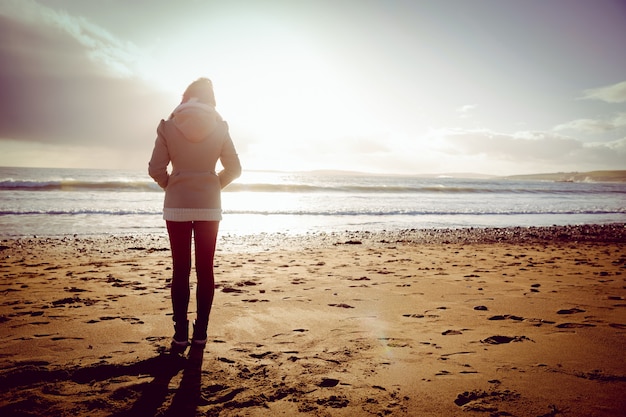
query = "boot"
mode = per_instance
[
  {"x": 199, "y": 334},
  {"x": 180, "y": 341},
  {"x": 198, "y": 343}
]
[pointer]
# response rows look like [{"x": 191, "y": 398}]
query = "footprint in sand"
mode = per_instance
[
  {"x": 363, "y": 278},
  {"x": 570, "y": 311},
  {"x": 334, "y": 401},
  {"x": 64, "y": 301},
  {"x": 37, "y": 323},
  {"x": 260, "y": 355},
  {"x": 59, "y": 338},
  {"x": 393, "y": 342},
  {"x": 505, "y": 317},
  {"x": 574, "y": 325},
  {"x": 328, "y": 383},
  {"x": 133, "y": 320},
  {"x": 232, "y": 290},
  {"x": 468, "y": 397},
  {"x": 74, "y": 301},
  {"x": 499, "y": 340},
  {"x": 75, "y": 290}
]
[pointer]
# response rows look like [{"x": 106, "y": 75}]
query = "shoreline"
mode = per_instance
[
  {"x": 524, "y": 321},
  {"x": 600, "y": 233}
]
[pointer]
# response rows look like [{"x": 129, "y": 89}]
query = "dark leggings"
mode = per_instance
[{"x": 205, "y": 237}]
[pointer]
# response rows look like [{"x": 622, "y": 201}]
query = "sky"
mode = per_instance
[{"x": 390, "y": 86}]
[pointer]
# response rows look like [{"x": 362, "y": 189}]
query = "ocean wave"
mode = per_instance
[
  {"x": 70, "y": 185},
  {"x": 425, "y": 189},
  {"x": 417, "y": 189},
  {"x": 351, "y": 189},
  {"x": 320, "y": 213},
  {"x": 78, "y": 212},
  {"x": 417, "y": 213},
  {"x": 75, "y": 185}
]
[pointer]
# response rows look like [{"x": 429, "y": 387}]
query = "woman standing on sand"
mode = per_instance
[{"x": 193, "y": 139}]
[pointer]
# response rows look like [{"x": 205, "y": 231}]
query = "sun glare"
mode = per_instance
[{"x": 284, "y": 96}]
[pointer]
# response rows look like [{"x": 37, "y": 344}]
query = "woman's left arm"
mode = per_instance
[{"x": 157, "y": 167}]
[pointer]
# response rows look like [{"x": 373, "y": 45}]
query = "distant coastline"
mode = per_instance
[
  {"x": 587, "y": 176},
  {"x": 595, "y": 176}
]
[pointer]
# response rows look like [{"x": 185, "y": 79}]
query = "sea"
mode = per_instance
[{"x": 47, "y": 202}]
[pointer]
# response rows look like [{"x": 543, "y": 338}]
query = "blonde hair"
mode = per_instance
[{"x": 202, "y": 89}]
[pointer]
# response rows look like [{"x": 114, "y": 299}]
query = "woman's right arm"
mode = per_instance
[{"x": 230, "y": 162}]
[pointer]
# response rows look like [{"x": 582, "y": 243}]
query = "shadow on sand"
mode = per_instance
[
  {"x": 150, "y": 398},
  {"x": 153, "y": 395}
]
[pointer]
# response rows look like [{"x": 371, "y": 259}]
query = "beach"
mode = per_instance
[{"x": 520, "y": 321}]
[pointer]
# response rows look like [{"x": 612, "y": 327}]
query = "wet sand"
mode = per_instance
[{"x": 472, "y": 322}]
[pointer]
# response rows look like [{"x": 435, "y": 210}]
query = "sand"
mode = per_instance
[{"x": 474, "y": 322}]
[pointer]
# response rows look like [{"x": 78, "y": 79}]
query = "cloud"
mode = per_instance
[
  {"x": 20, "y": 153},
  {"x": 98, "y": 44},
  {"x": 535, "y": 148},
  {"x": 464, "y": 111},
  {"x": 595, "y": 125},
  {"x": 65, "y": 81},
  {"x": 615, "y": 93},
  {"x": 608, "y": 155}
]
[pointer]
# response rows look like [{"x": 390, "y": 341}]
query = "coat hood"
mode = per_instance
[{"x": 195, "y": 120}]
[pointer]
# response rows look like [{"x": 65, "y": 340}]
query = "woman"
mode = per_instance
[{"x": 192, "y": 140}]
